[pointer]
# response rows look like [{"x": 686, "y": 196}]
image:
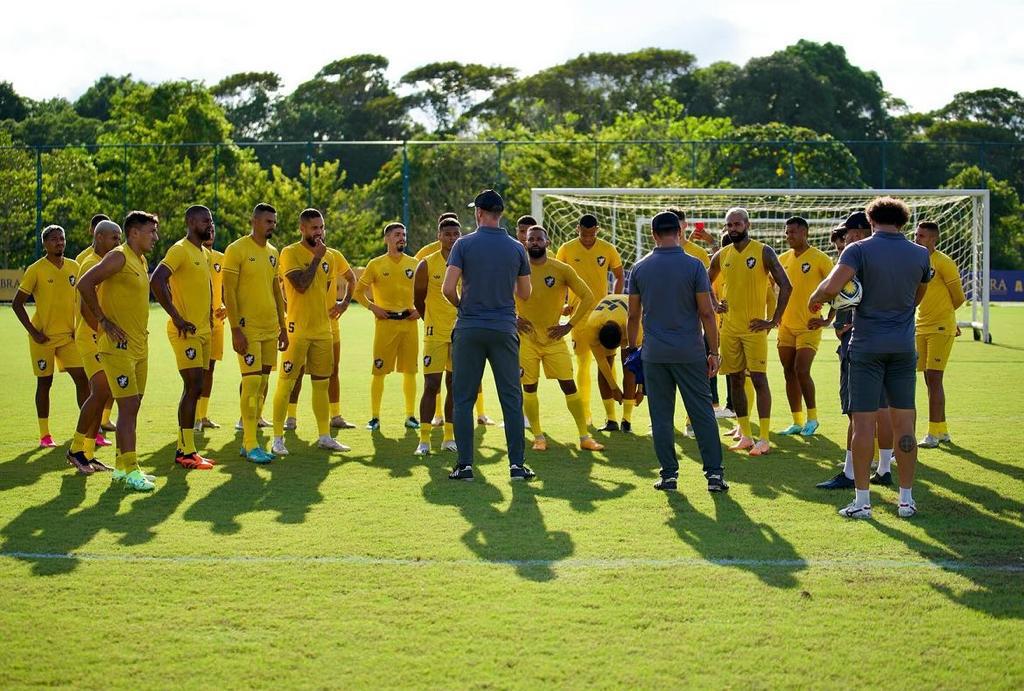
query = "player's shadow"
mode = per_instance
[
  {"x": 517, "y": 536},
  {"x": 633, "y": 452},
  {"x": 733, "y": 540},
  {"x": 56, "y": 527},
  {"x": 1014, "y": 471},
  {"x": 395, "y": 454},
  {"x": 29, "y": 467},
  {"x": 567, "y": 474}
]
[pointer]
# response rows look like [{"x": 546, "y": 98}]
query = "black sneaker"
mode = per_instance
[
  {"x": 840, "y": 481},
  {"x": 627, "y": 426},
  {"x": 461, "y": 472},
  {"x": 885, "y": 480},
  {"x": 521, "y": 472},
  {"x": 667, "y": 484},
  {"x": 716, "y": 483},
  {"x": 610, "y": 426}
]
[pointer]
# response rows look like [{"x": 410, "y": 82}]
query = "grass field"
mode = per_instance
[{"x": 372, "y": 569}]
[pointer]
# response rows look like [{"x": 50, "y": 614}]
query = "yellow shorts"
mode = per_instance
[
  {"x": 217, "y": 341},
  {"x": 87, "y": 350},
  {"x": 804, "y": 338},
  {"x": 61, "y": 348},
  {"x": 190, "y": 352},
  {"x": 933, "y": 351},
  {"x": 314, "y": 354},
  {"x": 437, "y": 356},
  {"x": 554, "y": 356},
  {"x": 260, "y": 353},
  {"x": 395, "y": 346},
  {"x": 125, "y": 375},
  {"x": 744, "y": 352}
]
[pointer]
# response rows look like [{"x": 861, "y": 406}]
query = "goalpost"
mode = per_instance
[{"x": 625, "y": 214}]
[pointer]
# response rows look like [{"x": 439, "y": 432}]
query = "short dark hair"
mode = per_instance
[
  {"x": 447, "y": 222},
  {"x": 137, "y": 219},
  {"x": 391, "y": 226},
  {"x": 797, "y": 221},
  {"x": 837, "y": 234},
  {"x": 610, "y": 335},
  {"x": 50, "y": 230},
  {"x": 680, "y": 214},
  {"x": 537, "y": 227},
  {"x": 263, "y": 208},
  {"x": 96, "y": 219},
  {"x": 447, "y": 214},
  {"x": 888, "y": 211},
  {"x": 588, "y": 221},
  {"x": 526, "y": 220},
  {"x": 194, "y": 210},
  {"x": 309, "y": 215},
  {"x": 930, "y": 226}
]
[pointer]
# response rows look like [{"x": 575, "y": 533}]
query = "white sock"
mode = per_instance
[
  {"x": 862, "y": 497},
  {"x": 884, "y": 461},
  {"x": 905, "y": 496},
  {"x": 848, "y": 466}
]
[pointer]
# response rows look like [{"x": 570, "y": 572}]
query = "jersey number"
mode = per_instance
[
  {"x": 121, "y": 345},
  {"x": 241, "y": 322},
  {"x": 291, "y": 327},
  {"x": 430, "y": 331}
]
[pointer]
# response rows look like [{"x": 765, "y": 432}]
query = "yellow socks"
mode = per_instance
[
  {"x": 627, "y": 410},
  {"x": 449, "y": 432},
  {"x": 376, "y": 394},
  {"x": 531, "y": 406},
  {"x": 249, "y": 404},
  {"x": 425, "y": 429},
  {"x": 335, "y": 408},
  {"x": 321, "y": 406},
  {"x": 78, "y": 443},
  {"x": 281, "y": 406},
  {"x": 202, "y": 407},
  {"x": 583, "y": 382},
  {"x": 480, "y": 404},
  {"x": 90, "y": 448},
  {"x": 744, "y": 423},
  {"x": 609, "y": 409},
  {"x": 438, "y": 406},
  {"x": 765, "y": 427},
  {"x": 105, "y": 420},
  {"x": 812, "y": 413},
  {"x": 937, "y": 429},
  {"x": 127, "y": 461},
  {"x": 187, "y": 440},
  {"x": 798, "y": 418},
  {"x": 261, "y": 398},
  {"x": 293, "y": 408},
  {"x": 409, "y": 391},
  {"x": 574, "y": 402},
  {"x": 44, "y": 427}
]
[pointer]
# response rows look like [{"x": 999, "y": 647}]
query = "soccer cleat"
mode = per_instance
[
  {"x": 258, "y": 456},
  {"x": 688, "y": 432},
  {"x": 851, "y": 510},
  {"x": 743, "y": 444},
  {"x": 540, "y": 444},
  {"x": 588, "y": 444},
  {"x": 461, "y": 472},
  {"x": 792, "y": 429},
  {"x": 667, "y": 484},
  {"x": 840, "y": 481},
  {"x": 520, "y": 472},
  {"x": 716, "y": 483},
  {"x": 422, "y": 449},
  {"x": 884, "y": 479},
  {"x": 238, "y": 425},
  {"x": 810, "y": 428},
  {"x": 609, "y": 426},
  {"x": 138, "y": 482},
  {"x": 906, "y": 510},
  {"x": 437, "y": 421},
  {"x": 79, "y": 462},
  {"x": 290, "y": 423},
  {"x": 449, "y": 445},
  {"x": 209, "y": 424},
  {"x": 263, "y": 423},
  {"x": 724, "y": 413},
  {"x": 338, "y": 422},
  {"x": 928, "y": 442},
  {"x": 192, "y": 461},
  {"x": 198, "y": 427},
  {"x": 627, "y": 427},
  {"x": 47, "y": 442},
  {"x": 484, "y": 420},
  {"x": 101, "y": 440},
  {"x": 331, "y": 444},
  {"x": 761, "y": 448},
  {"x": 412, "y": 423},
  {"x": 119, "y": 475},
  {"x": 736, "y": 433},
  {"x": 100, "y": 466},
  {"x": 374, "y": 424},
  {"x": 108, "y": 427},
  {"x": 278, "y": 448}
]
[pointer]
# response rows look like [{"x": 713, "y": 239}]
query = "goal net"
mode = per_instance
[{"x": 625, "y": 216}]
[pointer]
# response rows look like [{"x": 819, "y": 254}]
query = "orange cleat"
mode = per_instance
[
  {"x": 192, "y": 461},
  {"x": 743, "y": 444},
  {"x": 540, "y": 444},
  {"x": 761, "y": 448},
  {"x": 588, "y": 444}
]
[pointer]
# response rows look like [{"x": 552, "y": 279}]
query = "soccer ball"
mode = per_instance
[{"x": 849, "y": 296}]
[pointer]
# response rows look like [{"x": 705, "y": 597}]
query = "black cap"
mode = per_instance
[
  {"x": 858, "y": 220},
  {"x": 666, "y": 220},
  {"x": 488, "y": 200}
]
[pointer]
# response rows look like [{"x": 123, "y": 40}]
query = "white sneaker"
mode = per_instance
[
  {"x": 422, "y": 449},
  {"x": 929, "y": 442},
  {"x": 238, "y": 425},
  {"x": 721, "y": 413},
  {"x": 437, "y": 421},
  {"x": 278, "y": 448},
  {"x": 484, "y": 420},
  {"x": 851, "y": 510},
  {"x": 449, "y": 445},
  {"x": 906, "y": 510},
  {"x": 331, "y": 444},
  {"x": 290, "y": 423}
]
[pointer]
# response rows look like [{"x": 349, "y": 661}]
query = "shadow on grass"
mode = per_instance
[{"x": 28, "y": 467}]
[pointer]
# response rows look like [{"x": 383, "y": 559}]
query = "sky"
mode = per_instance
[{"x": 925, "y": 52}]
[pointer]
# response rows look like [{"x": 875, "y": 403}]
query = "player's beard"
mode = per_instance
[
  {"x": 400, "y": 246},
  {"x": 739, "y": 238},
  {"x": 311, "y": 242},
  {"x": 537, "y": 252}
]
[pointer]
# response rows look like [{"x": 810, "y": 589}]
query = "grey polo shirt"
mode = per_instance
[
  {"x": 490, "y": 261},
  {"x": 667, "y": 281}
]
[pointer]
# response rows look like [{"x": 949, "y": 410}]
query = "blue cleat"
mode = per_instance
[
  {"x": 792, "y": 429},
  {"x": 258, "y": 456},
  {"x": 809, "y": 429},
  {"x": 373, "y": 425}
]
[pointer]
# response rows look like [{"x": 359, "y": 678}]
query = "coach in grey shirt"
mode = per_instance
[
  {"x": 493, "y": 269},
  {"x": 670, "y": 294},
  {"x": 893, "y": 273}
]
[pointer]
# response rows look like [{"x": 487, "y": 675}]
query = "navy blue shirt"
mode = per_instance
[
  {"x": 667, "y": 281},
  {"x": 890, "y": 268},
  {"x": 491, "y": 261}
]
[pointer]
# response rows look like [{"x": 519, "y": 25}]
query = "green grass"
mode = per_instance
[{"x": 372, "y": 569}]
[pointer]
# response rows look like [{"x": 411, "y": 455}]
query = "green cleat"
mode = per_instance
[
  {"x": 119, "y": 475},
  {"x": 792, "y": 429},
  {"x": 137, "y": 482}
]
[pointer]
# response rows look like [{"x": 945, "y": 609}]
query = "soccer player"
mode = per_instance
[
  {"x": 523, "y": 225},
  {"x": 893, "y": 273},
  {"x": 216, "y": 334},
  {"x": 307, "y": 271},
  {"x": 434, "y": 246},
  {"x": 121, "y": 311},
  {"x": 800, "y": 330},
  {"x": 51, "y": 330},
  {"x": 390, "y": 277},
  {"x": 438, "y": 321},
  {"x": 543, "y": 337},
  {"x": 591, "y": 258},
  {"x": 745, "y": 266},
  {"x": 255, "y": 311},
  {"x": 183, "y": 287},
  {"x": 605, "y": 334},
  {"x": 92, "y": 251},
  {"x": 936, "y": 329},
  {"x": 91, "y": 247},
  {"x": 88, "y": 435}
]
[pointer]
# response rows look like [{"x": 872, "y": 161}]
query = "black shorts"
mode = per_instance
[
  {"x": 877, "y": 378},
  {"x": 844, "y": 387}
]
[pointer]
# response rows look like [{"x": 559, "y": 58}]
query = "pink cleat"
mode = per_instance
[
  {"x": 47, "y": 443},
  {"x": 761, "y": 448},
  {"x": 743, "y": 444},
  {"x": 102, "y": 441}
]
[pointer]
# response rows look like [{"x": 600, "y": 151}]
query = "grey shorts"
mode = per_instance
[
  {"x": 844, "y": 387},
  {"x": 880, "y": 376}
]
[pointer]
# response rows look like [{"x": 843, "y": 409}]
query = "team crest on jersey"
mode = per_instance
[
  {"x": 931, "y": 273},
  {"x": 805, "y": 267},
  {"x": 71, "y": 280},
  {"x": 521, "y": 372},
  {"x": 601, "y": 261},
  {"x": 273, "y": 260},
  {"x": 122, "y": 381},
  {"x": 190, "y": 353},
  {"x": 41, "y": 364},
  {"x": 325, "y": 266},
  {"x": 378, "y": 363},
  {"x": 549, "y": 281},
  {"x": 751, "y": 262},
  {"x": 249, "y": 359},
  {"x": 426, "y": 360},
  {"x": 287, "y": 366},
  {"x": 216, "y": 267},
  {"x": 408, "y": 273}
]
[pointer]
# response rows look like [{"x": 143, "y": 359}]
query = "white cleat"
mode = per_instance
[
  {"x": 278, "y": 448},
  {"x": 484, "y": 420},
  {"x": 437, "y": 421},
  {"x": 449, "y": 446},
  {"x": 906, "y": 510},
  {"x": 263, "y": 423},
  {"x": 422, "y": 449},
  {"x": 238, "y": 425},
  {"x": 290, "y": 423},
  {"x": 331, "y": 444},
  {"x": 198, "y": 427},
  {"x": 930, "y": 441},
  {"x": 851, "y": 510},
  {"x": 721, "y": 413},
  {"x": 688, "y": 432}
]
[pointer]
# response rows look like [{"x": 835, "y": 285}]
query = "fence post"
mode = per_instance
[
  {"x": 693, "y": 163},
  {"x": 124, "y": 180},
  {"x": 499, "y": 145},
  {"x": 792, "y": 165},
  {"x": 39, "y": 202},
  {"x": 309, "y": 174},
  {"x": 597, "y": 162},
  {"x": 405, "y": 183},
  {"x": 884, "y": 162},
  {"x": 216, "y": 181}
]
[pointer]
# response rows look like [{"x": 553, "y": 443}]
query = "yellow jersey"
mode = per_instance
[
  {"x": 613, "y": 308},
  {"x": 89, "y": 251},
  {"x": 592, "y": 265},
  {"x": 341, "y": 267},
  {"x": 53, "y": 289},
  {"x": 124, "y": 299},
  {"x": 217, "y": 279},
  {"x": 439, "y": 320},
  {"x": 805, "y": 272},
  {"x": 695, "y": 250},
  {"x": 391, "y": 281},
  {"x": 306, "y": 313},
  {"x": 256, "y": 268},
  {"x": 427, "y": 250},
  {"x": 82, "y": 329},
  {"x": 936, "y": 313},
  {"x": 550, "y": 281},
  {"x": 745, "y": 278},
  {"x": 191, "y": 284}
]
